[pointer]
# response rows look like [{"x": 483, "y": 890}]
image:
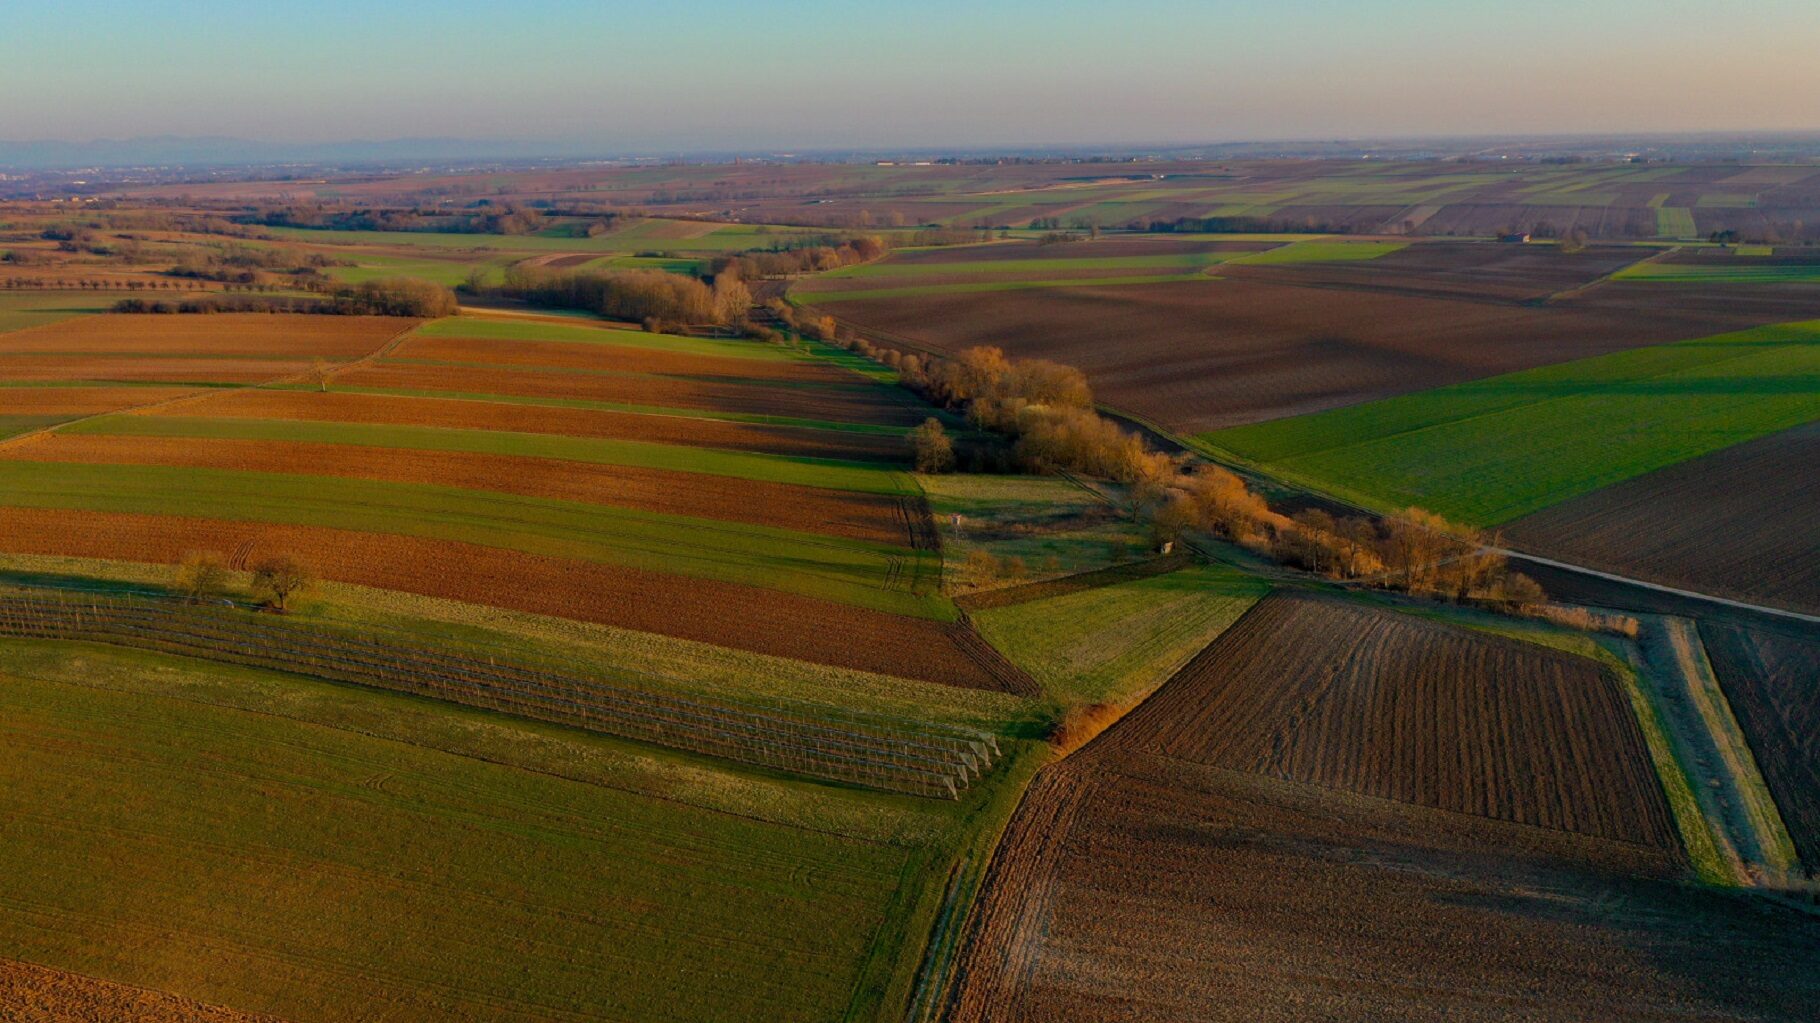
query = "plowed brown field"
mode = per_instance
[
  {"x": 1738, "y": 523},
  {"x": 1203, "y": 356},
  {"x": 856, "y": 403},
  {"x": 48, "y": 368},
  {"x": 725, "y": 614},
  {"x": 482, "y": 415},
  {"x": 861, "y": 516},
  {"x": 622, "y": 358},
  {"x": 1391, "y": 706},
  {"x": 272, "y": 336},
  {"x": 1772, "y": 680},
  {"x": 1170, "y": 871},
  {"x": 80, "y": 401},
  {"x": 37, "y": 994}
]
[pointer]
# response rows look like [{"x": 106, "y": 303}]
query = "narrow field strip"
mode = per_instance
[
  {"x": 624, "y": 358},
  {"x": 1183, "y": 260},
  {"x": 857, "y": 403},
  {"x": 868, "y": 517},
  {"x": 711, "y": 415},
  {"x": 826, "y": 567},
  {"x": 860, "y": 477},
  {"x": 518, "y": 329},
  {"x": 379, "y": 409},
  {"x": 824, "y": 297}
]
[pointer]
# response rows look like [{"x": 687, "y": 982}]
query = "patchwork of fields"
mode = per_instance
[
  {"x": 1226, "y": 852},
  {"x": 1278, "y": 334},
  {"x": 1493, "y": 450}
]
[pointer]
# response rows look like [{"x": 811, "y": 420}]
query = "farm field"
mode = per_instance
[
  {"x": 1115, "y": 642},
  {"x": 1493, "y": 450},
  {"x": 1267, "y": 342},
  {"x": 454, "y": 498},
  {"x": 225, "y": 800},
  {"x": 1736, "y": 522},
  {"x": 1222, "y": 853},
  {"x": 22, "y": 309},
  {"x": 1770, "y": 679}
]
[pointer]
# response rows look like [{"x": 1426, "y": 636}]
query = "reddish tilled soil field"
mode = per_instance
[
  {"x": 269, "y": 335},
  {"x": 127, "y": 368},
  {"x": 80, "y": 401},
  {"x": 1143, "y": 880},
  {"x": 1201, "y": 356},
  {"x": 1482, "y": 271},
  {"x": 1391, "y": 706},
  {"x": 37, "y": 994},
  {"x": 1737, "y": 523},
  {"x": 725, "y": 614},
  {"x": 623, "y": 358},
  {"x": 861, "y": 516},
  {"x": 852, "y": 403},
  {"x": 1772, "y": 679},
  {"x": 483, "y": 415}
]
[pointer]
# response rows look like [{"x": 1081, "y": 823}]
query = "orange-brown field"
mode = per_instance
[
  {"x": 36, "y": 994},
  {"x": 839, "y": 403},
  {"x": 726, "y": 614},
  {"x": 621, "y": 358},
  {"x": 226, "y": 334},
  {"x": 840, "y": 513},
  {"x": 482, "y": 415}
]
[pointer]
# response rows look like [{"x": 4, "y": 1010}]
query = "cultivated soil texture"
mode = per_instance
[
  {"x": 725, "y": 614},
  {"x": 344, "y": 407},
  {"x": 1265, "y": 342},
  {"x": 1772, "y": 680},
  {"x": 1737, "y": 523},
  {"x": 879, "y": 518},
  {"x": 1226, "y": 852},
  {"x": 36, "y": 994}
]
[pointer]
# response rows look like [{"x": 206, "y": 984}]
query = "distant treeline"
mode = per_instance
[
  {"x": 506, "y": 220},
  {"x": 639, "y": 295},
  {"x": 394, "y": 296}
]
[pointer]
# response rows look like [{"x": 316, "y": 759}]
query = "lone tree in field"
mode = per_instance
[
  {"x": 932, "y": 446},
  {"x": 279, "y": 579},
  {"x": 201, "y": 576}
]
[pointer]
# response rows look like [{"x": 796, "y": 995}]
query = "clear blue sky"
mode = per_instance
[{"x": 817, "y": 72}]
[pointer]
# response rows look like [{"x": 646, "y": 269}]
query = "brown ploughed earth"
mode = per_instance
[
  {"x": 1273, "y": 341},
  {"x": 38, "y": 994},
  {"x": 840, "y": 513},
  {"x": 1218, "y": 854},
  {"x": 455, "y": 413},
  {"x": 709, "y": 611},
  {"x": 1737, "y": 523}
]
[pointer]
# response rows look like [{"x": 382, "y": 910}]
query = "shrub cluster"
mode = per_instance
[
  {"x": 635, "y": 295},
  {"x": 392, "y": 296}
]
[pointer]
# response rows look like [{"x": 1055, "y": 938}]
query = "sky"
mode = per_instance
[{"x": 864, "y": 73}]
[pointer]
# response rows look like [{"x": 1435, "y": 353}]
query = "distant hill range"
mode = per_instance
[{"x": 221, "y": 151}]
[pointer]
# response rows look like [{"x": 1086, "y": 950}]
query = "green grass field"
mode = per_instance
[
  {"x": 1745, "y": 272},
  {"x": 864, "y": 477},
  {"x": 446, "y": 272},
  {"x": 637, "y": 237},
  {"x": 1118, "y": 642},
  {"x": 1319, "y": 252},
  {"x": 1493, "y": 450},
  {"x": 832, "y": 568},
  {"x": 22, "y": 309},
  {"x": 1675, "y": 222},
  {"x": 1050, "y": 526},
  {"x": 316, "y": 851}
]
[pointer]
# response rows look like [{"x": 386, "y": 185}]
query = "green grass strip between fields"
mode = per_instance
[{"x": 969, "y": 287}]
